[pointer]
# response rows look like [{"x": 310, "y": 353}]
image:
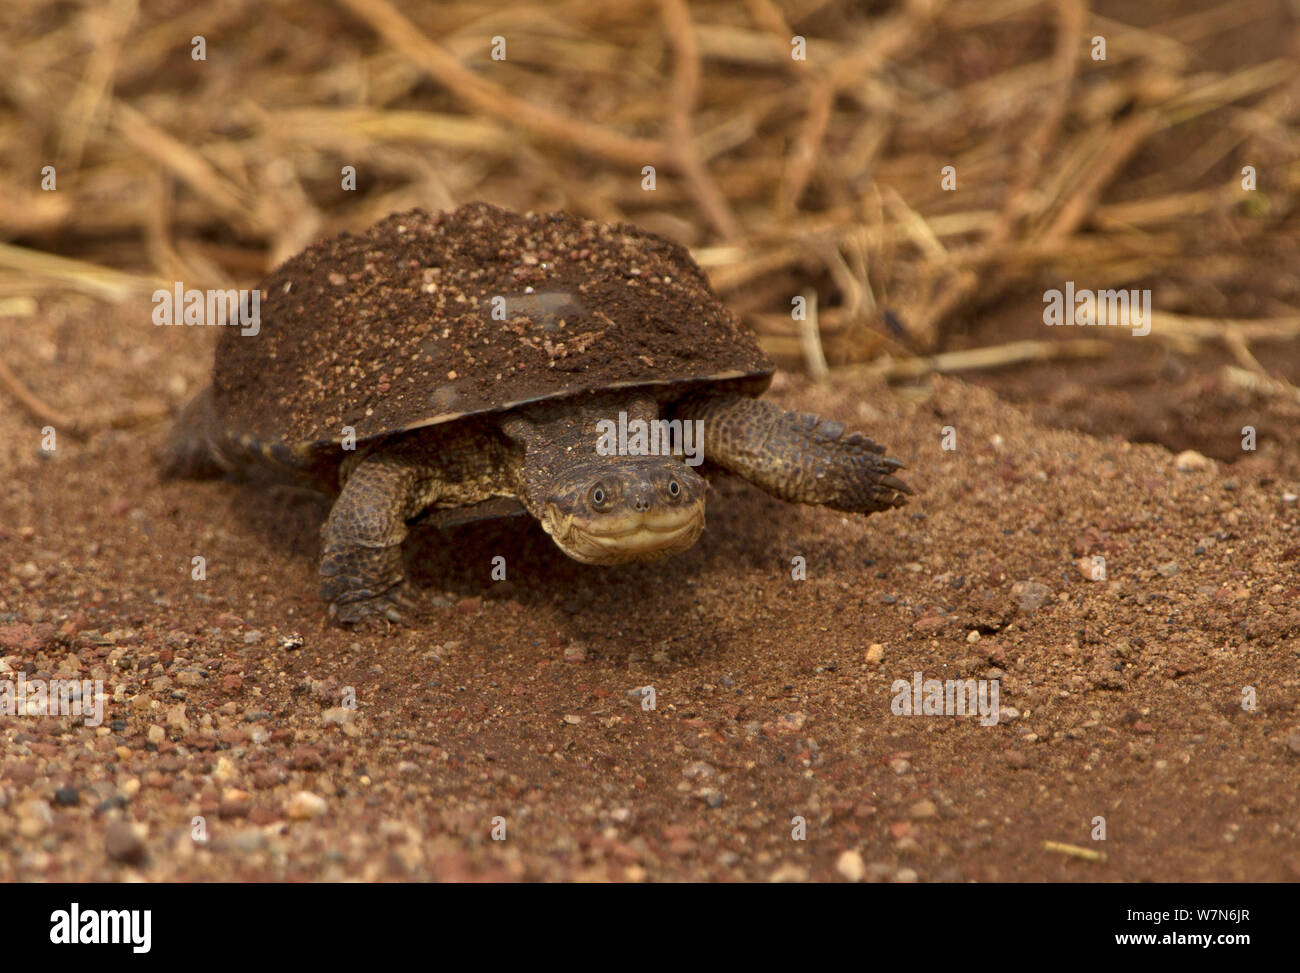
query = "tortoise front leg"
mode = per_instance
[
  {"x": 796, "y": 456},
  {"x": 361, "y": 567}
]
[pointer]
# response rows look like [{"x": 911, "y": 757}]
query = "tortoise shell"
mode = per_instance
[{"x": 429, "y": 318}]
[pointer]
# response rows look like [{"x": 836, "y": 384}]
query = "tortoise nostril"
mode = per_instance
[{"x": 642, "y": 492}]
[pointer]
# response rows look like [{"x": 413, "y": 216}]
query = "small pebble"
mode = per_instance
[
  {"x": 699, "y": 770},
  {"x": 851, "y": 866},
  {"x": 923, "y": 809},
  {"x": 34, "y": 818},
  {"x": 67, "y": 796},
  {"x": 305, "y": 805},
  {"x": 235, "y": 803},
  {"x": 1190, "y": 461},
  {"x": 124, "y": 843},
  {"x": 714, "y": 799}
]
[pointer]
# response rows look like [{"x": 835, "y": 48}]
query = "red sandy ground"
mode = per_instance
[{"x": 1122, "y": 698}]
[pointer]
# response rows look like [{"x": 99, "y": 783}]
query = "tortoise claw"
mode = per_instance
[{"x": 377, "y": 611}]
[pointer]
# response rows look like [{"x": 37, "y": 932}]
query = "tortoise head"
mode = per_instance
[{"x": 623, "y": 508}]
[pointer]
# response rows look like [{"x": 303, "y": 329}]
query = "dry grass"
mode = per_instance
[{"x": 818, "y": 177}]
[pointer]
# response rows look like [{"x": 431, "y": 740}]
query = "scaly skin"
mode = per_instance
[
  {"x": 386, "y": 487},
  {"x": 796, "y": 456},
  {"x": 361, "y": 564},
  {"x": 598, "y": 509}
]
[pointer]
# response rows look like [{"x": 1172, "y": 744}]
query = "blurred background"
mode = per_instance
[{"x": 144, "y": 142}]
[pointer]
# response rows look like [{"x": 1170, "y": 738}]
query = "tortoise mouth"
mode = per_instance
[{"x": 626, "y": 537}]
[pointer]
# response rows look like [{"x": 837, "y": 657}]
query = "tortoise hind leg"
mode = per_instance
[
  {"x": 199, "y": 447},
  {"x": 797, "y": 456},
  {"x": 191, "y": 446},
  {"x": 361, "y": 567}
]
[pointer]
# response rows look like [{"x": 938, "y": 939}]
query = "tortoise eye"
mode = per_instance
[
  {"x": 598, "y": 496},
  {"x": 674, "y": 489}
]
